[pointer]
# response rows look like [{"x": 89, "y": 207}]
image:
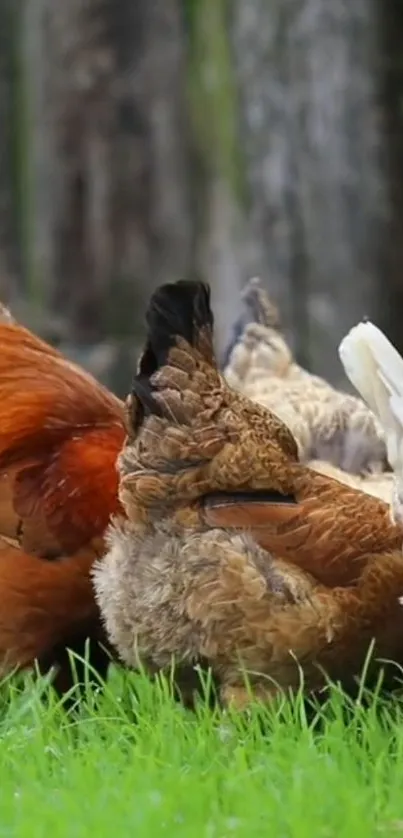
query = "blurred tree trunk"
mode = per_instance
[
  {"x": 111, "y": 149},
  {"x": 217, "y": 171},
  {"x": 391, "y": 100},
  {"x": 259, "y": 35},
  {"x": 224, "y": 138},
  {"x": 333, "y": 65},
  {"x": 307, "y": 72},
  {"x": 10, "y": 246}
]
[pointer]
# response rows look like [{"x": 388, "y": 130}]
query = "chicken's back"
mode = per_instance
[{"x": 60, "y": 435}]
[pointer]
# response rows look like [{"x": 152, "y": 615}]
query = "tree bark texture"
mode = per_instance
[
  {"x": 221, "y": 139},
  {"x": 307, "y": 72},
  {"x": 111, "y": 104},
  {"x": 10, "y": 244}
]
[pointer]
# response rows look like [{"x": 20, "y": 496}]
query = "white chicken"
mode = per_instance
[{"x": 375, "y": 368}]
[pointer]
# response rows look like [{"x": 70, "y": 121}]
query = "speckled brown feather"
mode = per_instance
[
  {"x": 217, "y": 596},
  {"x": 301, "y": 571},
  {"x": 328, "y": 532}
]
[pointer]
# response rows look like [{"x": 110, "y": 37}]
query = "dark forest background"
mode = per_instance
[{"x": 145, "y": 140}]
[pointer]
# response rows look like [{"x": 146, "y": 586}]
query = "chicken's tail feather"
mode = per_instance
[
  {"x": 179, "y": 315},
  {"x": 177, "y": 310},
  {"x": 375, "y": 368},
  {"x": 257, "y": 307}
]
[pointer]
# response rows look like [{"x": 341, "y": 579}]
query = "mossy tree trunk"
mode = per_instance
[
  {"x": 218, "y": 171},
  {"x": 221, "y": 137},
  {"x": 10, "y": 245},
  {"x": 390, "y": 34},
  {"x": 308, "y": 75},
  {"x": 259, "y": 38},
  {"x": 110, "y": 113}
]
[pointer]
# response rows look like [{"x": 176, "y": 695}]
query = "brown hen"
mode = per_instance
[
  {"x": 60, "y": 433},
  {"x": 234, "y": 552}
]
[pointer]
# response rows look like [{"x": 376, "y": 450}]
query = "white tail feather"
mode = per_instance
[{"x": 375, "y": 368}]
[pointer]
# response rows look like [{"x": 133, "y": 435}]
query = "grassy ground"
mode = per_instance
[{"x": 205, "y": 775}]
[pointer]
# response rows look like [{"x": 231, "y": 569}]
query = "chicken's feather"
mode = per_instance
[
  {"x": 206, "y": 439},
  {"x": 199, "y": 475},
  {"x": 376, "y": 369},
  {"x": 328, "y": 425},
  {"x": 60, "y": 433}
]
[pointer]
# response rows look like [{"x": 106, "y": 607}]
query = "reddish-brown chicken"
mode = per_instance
[
  {"x": 233, "y": 552},
  {"x": 60, "y": 433}
]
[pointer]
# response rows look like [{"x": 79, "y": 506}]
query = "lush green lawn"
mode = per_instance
[{"x": 98, "y": 773}]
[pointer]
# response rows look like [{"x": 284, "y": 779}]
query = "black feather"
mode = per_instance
[
  {"x": 176, "y": 310},
  {"x": 241, "y": 497}
]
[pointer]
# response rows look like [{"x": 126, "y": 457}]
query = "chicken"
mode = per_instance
[
  {"x": 328, "y": 425},
  {"x": 376, "y": 370},
  {"x": 60, "y": 434},
  {"x": 233, "y": 553}
]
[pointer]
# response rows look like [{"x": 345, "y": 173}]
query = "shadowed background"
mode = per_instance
[{"x": 145, "y": 140}]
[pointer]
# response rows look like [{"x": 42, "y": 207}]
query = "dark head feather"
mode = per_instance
[{"x": 176, "y": 310}]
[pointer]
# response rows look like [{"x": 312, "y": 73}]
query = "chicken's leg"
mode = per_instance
[{"x": 239, "y": 698}]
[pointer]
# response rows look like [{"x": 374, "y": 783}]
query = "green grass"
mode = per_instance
[{"x": 138, "y": 764}]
